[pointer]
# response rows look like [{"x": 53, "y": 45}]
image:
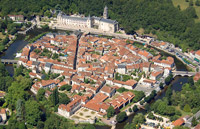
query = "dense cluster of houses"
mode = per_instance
[{"x": 90, "y": 67}]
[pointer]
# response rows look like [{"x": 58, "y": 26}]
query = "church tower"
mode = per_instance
[
  {"x": 105, "y": 13},
  {"x": 89, "y": 22}
]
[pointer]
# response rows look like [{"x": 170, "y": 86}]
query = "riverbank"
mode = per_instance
[
  {"x": 8, "y": 44},
  {"x": 180, "y": 59}
]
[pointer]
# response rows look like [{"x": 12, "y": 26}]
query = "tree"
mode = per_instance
[
  {"x": 121, "y": 90},
  {"x": 6, "y": 40},
  {"x": 130, "y": 110},
  {"x": 47, "y": 13},
  {"x": 55, "y": 97},
  {"x": 18, "y": 90},
  {"x": 187, "y": 108},
  {"x": 121, "y": 117},
  {"x": 40, "y": 125},
  {"x": 20, "y": 110},
  {"x": 40, "y": 94},
  {"x": 151, "y": 116},
  {"x": 22, "y": 125},
  {"x": 161, "y": 85},
  {"x": 139, "y": 119},
  {"x": 63, "y": 98},
  {"x": 89, "y": 126},
  {"x": 197, "y": 3},
  {"x": 135, "y": 108},
  {"x": 33, "y": 113},
  {"x": 168, "y": 93},
  {"x": 168, "y": 79},
  {"x": 65, "y": 87},
  {"x": 110, "y": 112},
  {"x": 138, "y": 96},
  {"x": 194, "y": 121}
]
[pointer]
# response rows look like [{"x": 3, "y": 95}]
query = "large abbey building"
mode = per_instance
[{"x": 101, "y": 23}]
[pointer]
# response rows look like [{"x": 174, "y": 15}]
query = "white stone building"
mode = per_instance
[{"x": 102, "y": 24}]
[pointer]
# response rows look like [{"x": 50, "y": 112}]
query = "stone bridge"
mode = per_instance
[
  {"x": 27, "y": 30},
  {"x": 183, "y": 73},
  {"x": 9, "y": 61}
]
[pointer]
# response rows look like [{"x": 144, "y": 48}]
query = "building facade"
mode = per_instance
[{"x": 101, "y": 23}]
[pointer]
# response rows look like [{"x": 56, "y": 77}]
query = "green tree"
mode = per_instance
[
  {"x": 151, "y": 116},
  {"x": 55, "y": 97},
  {"x": 47, "y": 13},
  {"x": 40, "y": 94},
  {"x": 187, "y": 108},
  {"x": 194, "y": 121},
  {"x": 63, "y": 98},
  {"x": 197, "y": 3},
  {"x": 161, "y": 85},
  {"x": 135, "y": 108},
  {"x": 20, "y": 110},
  {"x": 6, "y": 40},
  {"x": 33, "y": 113},
  {"x": 22, "y": 125},
  {"x": 18, "y": 90},
  {"x": 139, "y": 119},
  {"x": 110, "y": 112},
  {"x": 168, "y": 79},
  {"x": 40, "y": 125},
  {"x": 65, "y": 87},
  {"x": 121, "y": 116},
  {"x": 89, "y": 126}
]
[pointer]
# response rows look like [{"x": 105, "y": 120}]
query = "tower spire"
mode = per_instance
[{"x": 105, "y": 13}]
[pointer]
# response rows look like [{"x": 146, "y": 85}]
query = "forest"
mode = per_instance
[{"x": 157, "y": 17}]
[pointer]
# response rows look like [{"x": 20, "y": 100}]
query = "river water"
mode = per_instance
[{"x": 20, "y": 43}]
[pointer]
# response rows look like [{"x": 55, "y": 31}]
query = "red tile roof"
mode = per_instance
[{"x": 178, "y": 122}]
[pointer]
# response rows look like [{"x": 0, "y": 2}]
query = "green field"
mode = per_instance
[{"x": 184, "y": 5}]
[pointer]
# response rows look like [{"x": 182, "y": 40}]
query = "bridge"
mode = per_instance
[
  {"x": 28, "y": 29},
  {"x": 183, "y": 73},
  {"x": 9, "y": 61}
]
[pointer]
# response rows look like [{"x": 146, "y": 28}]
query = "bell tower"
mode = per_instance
[{"x": 105, "y": 13}]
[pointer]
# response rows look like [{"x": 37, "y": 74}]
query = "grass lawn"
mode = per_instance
[
  {"x": 184, "y": 5},
  {"x": 141, "y": 32},
  {"x": 183, "y": 113},
  {"x": 85, "y": 110}
]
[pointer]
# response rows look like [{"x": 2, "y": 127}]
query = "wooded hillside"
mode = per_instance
[{"x": 158, "y": 17}]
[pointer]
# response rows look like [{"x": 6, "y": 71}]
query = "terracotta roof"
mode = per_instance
[
  {"x": 178, "y": 122},
  {"x": 196, "y": 77},
  {"x": 107, "y": 89},
  {"x": 197, "y": 127},
  {"x": 155, "y": 74},
  {"x": 198, "y": 52},
  {"x": 3, "y": 111}
]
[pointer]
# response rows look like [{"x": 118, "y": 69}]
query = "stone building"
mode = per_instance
[{"x": 101, "y": 23}]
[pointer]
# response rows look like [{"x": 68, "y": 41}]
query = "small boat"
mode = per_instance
[{"x": 181, "y": 82}]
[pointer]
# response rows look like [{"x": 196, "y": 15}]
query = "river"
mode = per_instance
[{"x": 20, "y": 43}]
